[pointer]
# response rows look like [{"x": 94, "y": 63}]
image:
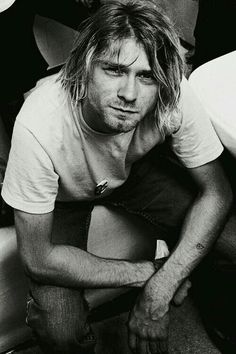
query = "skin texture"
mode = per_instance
[
  {"x": 121, "y": 90},
  {"x": 120, "y": 96},
  {"x": 149, "y": 320}
]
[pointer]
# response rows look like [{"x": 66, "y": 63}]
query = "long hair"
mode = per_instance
[{"x": 113, "y": 22}]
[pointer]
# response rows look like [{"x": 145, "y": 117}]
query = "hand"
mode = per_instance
[
  {"x": 181, "y": 293},
  {"x": 148, "y": 331}
]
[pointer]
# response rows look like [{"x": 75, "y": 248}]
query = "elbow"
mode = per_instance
[
  {"x": 225, "y": 197},
  {"x": 34, "y": 270},
  {"x": 37, "y": 269}
]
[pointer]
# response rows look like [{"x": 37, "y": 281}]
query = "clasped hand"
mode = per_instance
[
  {"x": 148, "y": 323},
  {"x": 148, "y": 327}
]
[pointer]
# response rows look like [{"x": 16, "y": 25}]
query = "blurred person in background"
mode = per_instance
[{"x": 21, "y": 62}]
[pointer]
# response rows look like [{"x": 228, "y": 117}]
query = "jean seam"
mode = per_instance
[
  {"x": 146, "y": 216},
  {"x": 87, "y": 224}
]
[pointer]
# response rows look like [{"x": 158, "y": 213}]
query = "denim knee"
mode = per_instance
[
  {"x": 58, "y": 318},
  {"x": 64, "y": 338}
]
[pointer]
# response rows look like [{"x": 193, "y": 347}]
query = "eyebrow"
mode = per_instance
[
  {"x": 116, "y": 65},
  {"x": 113, "y": 64}
]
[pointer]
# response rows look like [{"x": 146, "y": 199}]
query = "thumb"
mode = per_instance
[{"x": 182, "y": 292}]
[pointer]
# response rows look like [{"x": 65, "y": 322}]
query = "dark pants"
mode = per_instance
[{"x": 158, "y": 191}]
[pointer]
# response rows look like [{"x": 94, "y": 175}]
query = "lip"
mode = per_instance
[{"x": 124, "y": 110}]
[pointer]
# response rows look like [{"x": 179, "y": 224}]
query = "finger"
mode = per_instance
[
  {"x": 153, "y": 347},
  {"x": 163, "y": 346},
  {"x": 182, "y": 293},
  {"x": 132, "y": 342},
  {"x": 141, "y": 346},
  {"x": 158, "y": 347}
]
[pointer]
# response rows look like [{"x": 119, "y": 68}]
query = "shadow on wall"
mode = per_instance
[
  {"x": 184, "y": 15},
  {"x": 54, "y": 40}
]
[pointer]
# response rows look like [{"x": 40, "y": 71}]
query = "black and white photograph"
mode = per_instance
[{"x": 117, "y": 177}]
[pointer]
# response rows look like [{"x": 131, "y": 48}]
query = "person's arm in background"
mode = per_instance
[
  {"x": 148, "y": 324},
  {"x": 68, "y": 12}
]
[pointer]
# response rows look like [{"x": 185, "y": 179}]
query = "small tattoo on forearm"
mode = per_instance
[{"x": 200, "y": 246}]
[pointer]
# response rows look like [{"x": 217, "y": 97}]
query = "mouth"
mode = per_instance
[{"x": 124, "y": 110}]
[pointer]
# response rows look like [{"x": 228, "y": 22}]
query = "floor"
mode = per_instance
[{"x": 187, "y": 336}]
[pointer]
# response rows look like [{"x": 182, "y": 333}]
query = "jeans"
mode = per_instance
[{"x": 157, "y": 190}]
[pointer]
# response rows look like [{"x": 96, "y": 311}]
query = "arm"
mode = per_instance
[
  {"x": 67, "y": 265},
  {"x": 203, "y": 223}
]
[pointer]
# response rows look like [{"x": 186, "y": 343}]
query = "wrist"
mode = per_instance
[
  {"x": 158, "y": 263},
  {"x": 160, "y": 288},
  {"x": 144, "y": 270}
]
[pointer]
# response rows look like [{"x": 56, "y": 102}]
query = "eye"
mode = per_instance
[
  {"x": 113, "y": 71},
  {"x": 147, "y": 78}
]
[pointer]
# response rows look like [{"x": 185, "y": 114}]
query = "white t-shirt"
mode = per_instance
[
  {"x": 55, "y": 155},
  {"x": 215, "y": 85}
]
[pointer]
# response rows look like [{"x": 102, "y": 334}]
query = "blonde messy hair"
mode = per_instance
[{"x": 116, "y": 21}]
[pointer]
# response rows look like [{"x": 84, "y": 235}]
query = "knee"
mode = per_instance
[
  {"x": 60, "y": 321},
  {"x": 62, "y": 336}
]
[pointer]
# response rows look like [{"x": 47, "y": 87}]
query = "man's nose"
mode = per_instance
[{"x": 128, "y": 89}]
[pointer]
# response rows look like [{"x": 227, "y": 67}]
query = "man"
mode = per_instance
[{"x": 90, "y": 136}]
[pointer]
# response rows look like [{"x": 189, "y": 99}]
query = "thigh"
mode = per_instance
[
  {"x": 160, "y": 191},
  {"x": 71, "y": 223}
]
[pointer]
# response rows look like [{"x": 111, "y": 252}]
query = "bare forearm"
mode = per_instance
[
  {"x": 202, "y": 226},
  {"x": 70, "y": 266}
]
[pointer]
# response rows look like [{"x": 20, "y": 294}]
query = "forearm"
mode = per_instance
[
  {"x": 201, "y": 227},
  {"x": 69, "y": 266},
  {"x": 73, "y": 267}
]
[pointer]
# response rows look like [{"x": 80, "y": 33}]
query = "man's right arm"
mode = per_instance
[{"x": 70, "y": 266}]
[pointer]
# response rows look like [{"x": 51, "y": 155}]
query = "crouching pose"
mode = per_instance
[{"x": 92, "y": 135}]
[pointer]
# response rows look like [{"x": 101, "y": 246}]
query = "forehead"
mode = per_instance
[{"x": 127, "y": 52}]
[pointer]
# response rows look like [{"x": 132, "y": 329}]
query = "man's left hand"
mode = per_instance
[{"x": 148, "y": 327}]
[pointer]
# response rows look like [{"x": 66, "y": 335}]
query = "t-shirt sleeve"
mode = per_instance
[
  {"x": 195, "y": 142},
  {"x": 30, "y": 182}
]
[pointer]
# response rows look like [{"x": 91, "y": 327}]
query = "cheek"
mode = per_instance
[
  {"x": 99, "y": 95},
  {"x": 149, "y": 101}
]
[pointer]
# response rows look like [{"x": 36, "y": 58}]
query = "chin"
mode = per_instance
[
  {"x": 121, "y": 124},
  {"x": 125, "y": 128}
]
